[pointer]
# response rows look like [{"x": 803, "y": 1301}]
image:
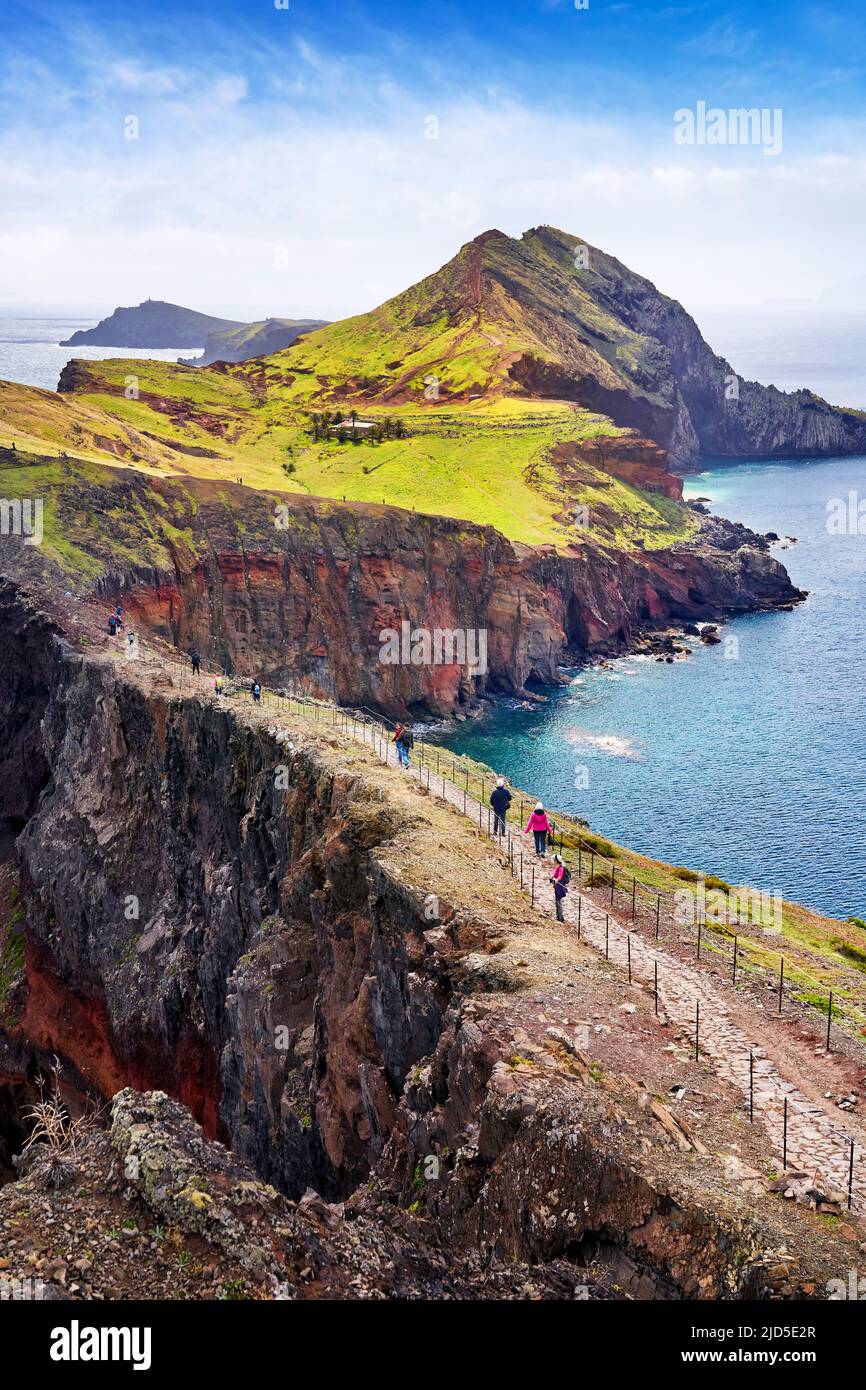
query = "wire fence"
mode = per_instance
[{"x": 652, "y": 914}]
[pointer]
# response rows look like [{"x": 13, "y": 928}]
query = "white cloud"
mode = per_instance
[{"x": 221, "y": 176}]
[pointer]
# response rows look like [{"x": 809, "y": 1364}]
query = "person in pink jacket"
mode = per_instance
[
  {"x": 560, "y": 879},
  {"x": 540, "y": 827}
]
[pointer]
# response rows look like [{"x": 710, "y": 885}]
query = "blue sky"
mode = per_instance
[{"x": 283, "y": 159}]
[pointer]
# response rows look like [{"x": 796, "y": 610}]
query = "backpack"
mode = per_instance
[
  {"x": 407, "y": 740},
  {"x": 566, "y": 877}
]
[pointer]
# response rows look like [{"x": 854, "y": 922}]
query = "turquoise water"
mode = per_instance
[{"x": 752, "y": 767}]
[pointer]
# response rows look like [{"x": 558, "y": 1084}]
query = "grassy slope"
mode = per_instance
[{"x": 485, "y": 461}]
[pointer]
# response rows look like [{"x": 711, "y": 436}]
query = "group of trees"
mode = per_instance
[{"x": 344, "y": 429}]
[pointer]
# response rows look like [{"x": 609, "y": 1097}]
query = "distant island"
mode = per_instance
[
  {"x": 247, "y": 340},
  {"x": 157, "y": 324},
  {"x": 152, "y": 324}
]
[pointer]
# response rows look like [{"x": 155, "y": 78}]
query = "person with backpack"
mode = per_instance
[
  {"x": 256, "y": 692},
  {"x": 500, "y": 800},
  {"x": 405, "y": 741},
  {"x": 112, "y": 625},
  {"x": 560, "y": 878},
  {"x": 196, "y": 661},
  {"x": 218, "y": 686},
  {"x": 540, "y": 827}
]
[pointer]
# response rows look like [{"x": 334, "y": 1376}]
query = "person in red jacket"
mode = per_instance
[{"x": 540, "y": 827}]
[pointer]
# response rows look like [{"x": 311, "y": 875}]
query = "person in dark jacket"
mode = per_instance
[
  {"x": 196, "y": 661},
  {"x": 500, "y": 800},
  {"x": 256, "y": 691},
  {"x": 405, "y": 741}
]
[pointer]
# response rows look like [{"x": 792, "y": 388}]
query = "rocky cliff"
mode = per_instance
[{"x": 237, "y": 909}]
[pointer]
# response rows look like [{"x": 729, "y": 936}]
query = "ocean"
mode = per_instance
[
  {"x": 30, "y": 350},
  {"x": 747, "y": 760}
]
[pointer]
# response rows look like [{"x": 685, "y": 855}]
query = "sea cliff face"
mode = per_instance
[
  {"x": 303, "y": 591},
  {"x": 315, "y": 610},
  {"x": 682, "y": 394}
]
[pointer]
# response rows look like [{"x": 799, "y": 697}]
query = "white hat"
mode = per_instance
[
  {"x": 539, "y": 805},
  {"x": 500, "y": 781}
]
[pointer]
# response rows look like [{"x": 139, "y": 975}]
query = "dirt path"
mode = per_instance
[{"x": 687, "y": 996}]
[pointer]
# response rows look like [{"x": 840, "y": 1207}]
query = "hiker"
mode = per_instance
[
  {"x": 112, "y": 625},
  {"x": 256, "y": 692},
  {"x": 540, "y": 827},
  {"x": 404, "y": 740},
  {"x": 560, "y": 878},
  {"x": 500, "y": 800},
  {"x": 218, "y": 685},
  {"x": 118, "y": 617},
  {"x": 196, "y": 661}
]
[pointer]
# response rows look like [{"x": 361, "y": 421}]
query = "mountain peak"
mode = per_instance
[{"x": 492, "y": 234}]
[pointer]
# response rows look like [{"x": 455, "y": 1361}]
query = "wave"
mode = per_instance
[{"x": 614, "y": 745}]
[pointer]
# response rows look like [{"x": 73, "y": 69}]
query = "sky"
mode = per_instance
[{"x": 308, "y": 158}]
